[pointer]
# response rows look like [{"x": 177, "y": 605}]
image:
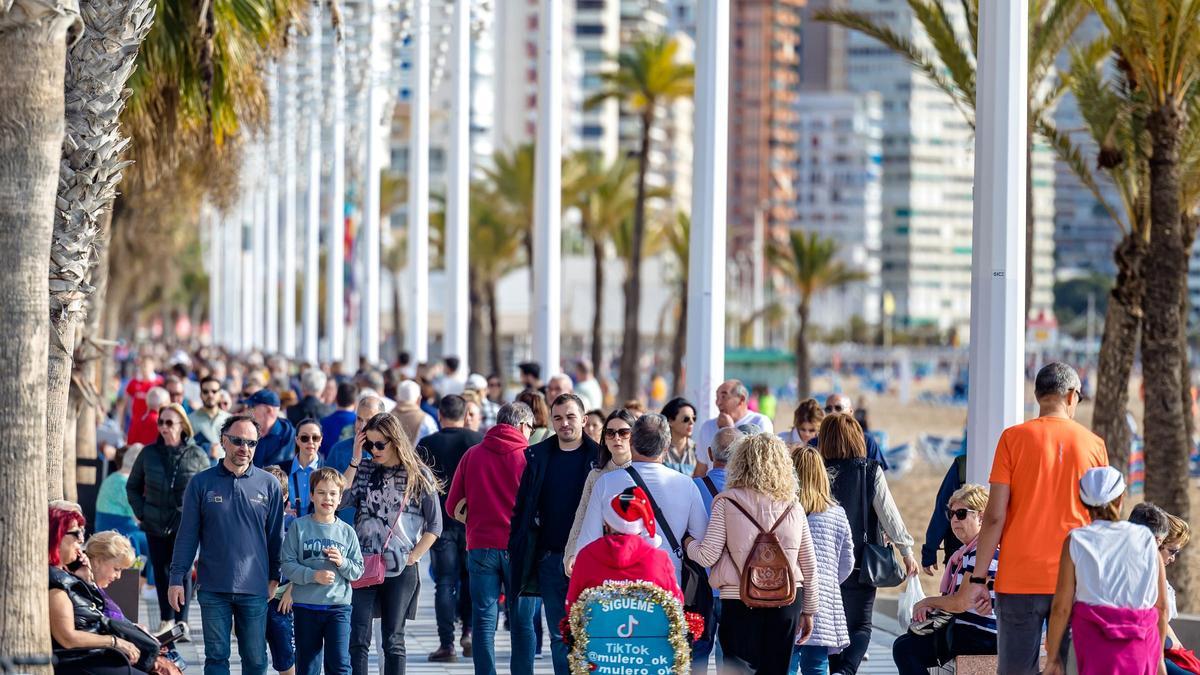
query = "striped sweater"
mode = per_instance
[{"x": 834, "y": 548}]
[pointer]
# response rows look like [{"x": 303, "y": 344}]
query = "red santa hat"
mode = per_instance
[{"x": 630, "y": 512}]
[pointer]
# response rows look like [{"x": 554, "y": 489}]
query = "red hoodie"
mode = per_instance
[
  {"x": 487, "y": 479},
  {"x": 621, "y": 557}
]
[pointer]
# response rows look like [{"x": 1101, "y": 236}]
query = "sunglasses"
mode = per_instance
[
  {"x": 306, "y": 438},
  {"x": 166, "y": 424},
  {"x": 835, "y": 408},
  {"x": 687, "y": 420},
  {"x": 1171, "y": 553},
  {"x": 959, "y": 514},
  {"x": 239, "y": 442},
  {"x": 78, "y": 534},
  {"x": 376, "y": 445},
  {"x": 618, "y": 433}
]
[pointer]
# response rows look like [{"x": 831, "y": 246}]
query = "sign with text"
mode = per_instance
[{"x": 628, "y": 628}]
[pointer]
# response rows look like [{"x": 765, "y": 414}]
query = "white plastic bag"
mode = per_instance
[{"x": 913, "y": 593}]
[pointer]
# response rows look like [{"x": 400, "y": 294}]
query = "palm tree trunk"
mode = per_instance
[
  {"x": 1030, "y": 220},
  {"x": 598, "y": 306},
  {"x": 475, "y": 323},
  {"x": 58, "y": 386},
  {"x": 630, "y": 345},
  {"x": 1185, "y": 374},
  {"x": 1118, "y": 347},
  {"x": 489, "y": 288},
  {"x": 680, "y": 341},
  {"x": 803, "y": 364},
  {"x": 33, "y": 51},
  {"x": 1167, "y": 445},
  {"x": 398, "y": 311}
]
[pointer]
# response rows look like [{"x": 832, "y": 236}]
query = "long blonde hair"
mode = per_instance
[
  {"x": 815, "y": 494},
  {"x": 761, "y": 463},
  {"x": 421, "y": 480}
]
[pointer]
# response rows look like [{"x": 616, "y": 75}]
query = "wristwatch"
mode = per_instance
[{"x": 979, "y": 580}]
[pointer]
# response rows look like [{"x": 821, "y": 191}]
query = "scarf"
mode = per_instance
[{"x": 954, "y": 566}]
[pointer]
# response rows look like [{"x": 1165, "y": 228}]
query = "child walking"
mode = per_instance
[{"x": 321, "y": 557}]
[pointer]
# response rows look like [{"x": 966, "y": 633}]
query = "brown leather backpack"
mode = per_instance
[{"x": 766, "y": 580}]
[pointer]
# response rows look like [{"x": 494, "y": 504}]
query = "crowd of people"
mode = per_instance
[{"x": 295, "y": 506}]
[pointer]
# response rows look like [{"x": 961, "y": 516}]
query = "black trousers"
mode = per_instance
[
  {"x": 758, "y": 640},
  {"x": 396, "y": 598},
  {"x": 916, "y": 654},
  {"x": 452, "y": 595},
  {"x": 161, "y": 550},
  {"x": 108, "y": 662},
  {"x": 858, "y": 601}
]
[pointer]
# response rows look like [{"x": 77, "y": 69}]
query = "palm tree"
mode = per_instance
[
  {"x": 605, "y": 197},
  {"x": 34, "y": 37},
  {"x": 1158, "y": 43},
  {"x": 810, "y": 262},
  {"x": 91, "y": 168},
  {"x": 511, "y": 177},
  {"x": 495, "y": 251},
  {"x": 678, "y": 242},
  {"x": 951, "y": 66},
  {"x": 648, "y": 74}
]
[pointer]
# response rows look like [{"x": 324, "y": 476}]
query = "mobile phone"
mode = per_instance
[{"x": 171, "y": 635}]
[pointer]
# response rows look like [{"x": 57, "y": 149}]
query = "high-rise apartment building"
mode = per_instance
[{"x": 763, "y": 92}]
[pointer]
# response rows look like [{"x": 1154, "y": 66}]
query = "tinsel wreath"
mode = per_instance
[{"x": 681, "y": 625}]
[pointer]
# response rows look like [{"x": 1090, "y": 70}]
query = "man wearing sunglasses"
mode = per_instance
[
  {"x": 232, "y": 515},
  {"x": 841, "y": 404},
  {"x": 209, "y": 418},
  {"x": 1034, "y": 503}
]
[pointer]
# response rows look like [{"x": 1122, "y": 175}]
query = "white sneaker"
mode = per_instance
[{"x": 164, "y": 626}]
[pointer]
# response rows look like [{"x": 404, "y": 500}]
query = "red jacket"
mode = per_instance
[
  {"x": 621, "y": 557},
  {"x": 487, "y": 479}
]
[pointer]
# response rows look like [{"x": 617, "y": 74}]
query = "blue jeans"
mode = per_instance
[
  {"x": 280, "y": 640},
  {"x": 488, "y": 571},
  {"x": 328, "y": 629},
  {"x": 552, "y": 584},
  {"x": 809, "y": 660},
  {"x": 451, "y": 597},
  {"x": 244, "y": 613}
]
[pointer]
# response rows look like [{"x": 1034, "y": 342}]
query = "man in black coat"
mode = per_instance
[
  {"x": 442, "y": 451},
  {"x": 551, "y": 487},
  {"x": 312, "y": 385}
]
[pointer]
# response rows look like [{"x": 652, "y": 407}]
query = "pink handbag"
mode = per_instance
[{"x": 374, "y": 568}]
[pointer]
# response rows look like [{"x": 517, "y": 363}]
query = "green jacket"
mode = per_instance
[{"x": 156, "y": 485}]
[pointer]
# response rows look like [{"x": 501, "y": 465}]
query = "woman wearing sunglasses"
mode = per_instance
[
  {"x": 615, "y": 453},
  {"x": 302, "y": 466},
  {"x": 973, "y": 632},
  {"x": 398, "y": 517},
  {"x": 681, "y": 454},
  {"x": 155, "y": 490}
]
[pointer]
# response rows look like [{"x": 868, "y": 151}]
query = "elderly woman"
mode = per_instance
[
  {"x": 109, "y": 553},
  {"x": 155, "y": 491},
  {"x": 79, "y": 628},
  {"x": 759, "y": 496},
  {"x": 614, "y": 454},
  {"x": 974, "y": 632}
]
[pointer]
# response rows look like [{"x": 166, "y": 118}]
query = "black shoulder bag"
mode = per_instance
[
  {"x": 697, "y": 594},
  {"x": 878, "y": 566}
]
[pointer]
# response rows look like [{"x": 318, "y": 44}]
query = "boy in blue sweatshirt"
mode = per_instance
[{"x": 321, "y": 557}]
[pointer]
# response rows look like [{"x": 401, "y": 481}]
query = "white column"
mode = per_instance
[
  {"x": 335, "y": 246},
  {"x": 290, "y": 98},
  {"x": 271, "y": 173},
  {"x": 231, "y": 238},
  {"x": 458, "y": 187},
  {"x": 259, "y": 247},
  {"x": 212, "y": 223},
  {"x": 312, "y": 224},
  {"x": 547, "y": 195},
  {"x": 376, "y": 133},
  {"x": 705, "y": 358},
  {"x": 246, "y": 278},
  {"x": 997, "y": 389},
  {"x": 418, "y": 187}
]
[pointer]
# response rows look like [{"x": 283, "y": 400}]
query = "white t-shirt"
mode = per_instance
[
  {"x": 589, "y": 391},
  {"x": 1116, "y": 564},
  {"x": 675, "y": 494},
  {"x": 708, "y": 431}
]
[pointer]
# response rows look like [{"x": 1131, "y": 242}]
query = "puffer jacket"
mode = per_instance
[
  {"x": 156, "y": 485},
  {"x": 86, "y": 602}
]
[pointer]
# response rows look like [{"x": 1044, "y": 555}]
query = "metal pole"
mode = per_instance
[
  {"x": 418, "y": 187},
  {"x": 375, "y": 134},
  {"x": 270, "y": 176},
  {"x": 996, "y": 391},
  {"x": 258, "y": 287},
  {"x": 288, "y": 139},
  {"x": 458, "y": 187},
  {"x": 335, "y": 245},
  {"x": 705, "y": 358},
  {"x": 312, "y": 224},
  {"x": 212, "y": 221},
  {"x": 547, "y": 219},
  {"x": 246, "y": 278}
]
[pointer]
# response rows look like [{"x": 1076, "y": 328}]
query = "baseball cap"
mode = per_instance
[
  {"x": 476, "y": 382},
  {"x": 1100, "y": 485},
  {"x": 263, "y": 397}
]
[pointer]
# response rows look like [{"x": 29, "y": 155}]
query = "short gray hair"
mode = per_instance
[
  {"x": 722, "y": 444},
  {"x": 408, "y": 392},
  {"x": 740, "y": 390},
  {"x": 1056, "y": 379},
  {"x": 131, "y": 455},
  {"x": 371, "y": 403},
  {"x": 313, "y": 381},
  {"x": 515, "y": 414},
  {"x": 156, "y": 398},
  {"x": 1152, "y": 517},
  {"x": 651, "y": 435}
]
